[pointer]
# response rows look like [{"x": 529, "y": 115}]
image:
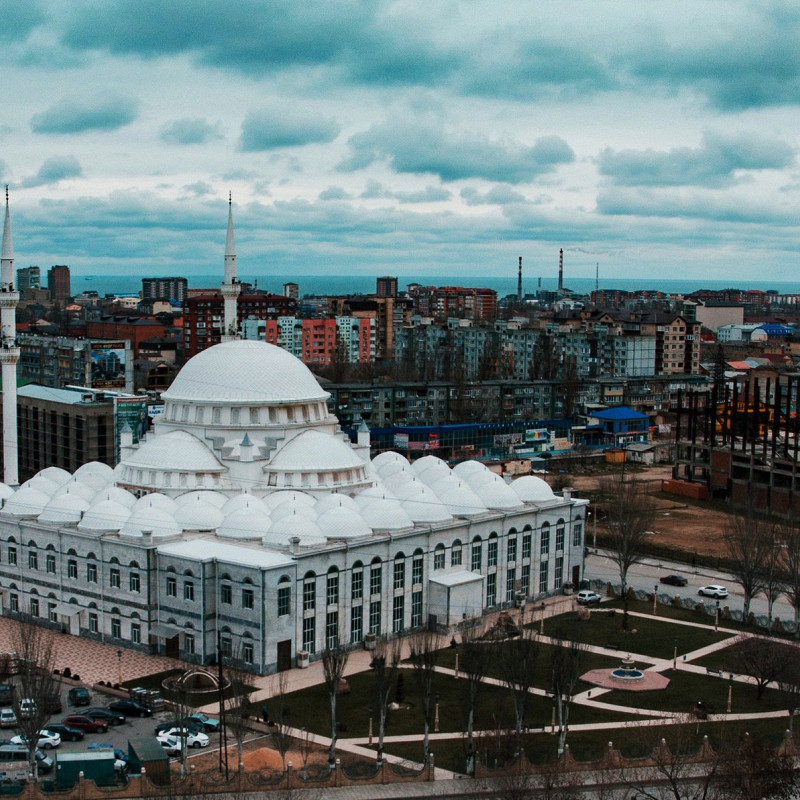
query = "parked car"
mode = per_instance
[
  {"x": 130, "y": 708},
  {"x": 170, "y": 744},
  {"x": 79, "y": 696},
  {"x": 588, "y": 598},
  {"x": 674, "y": 580},
  {"x": 47, "y": 739},
  {"x": 8, "y": 719},
  {"x": 210, "y": 724},
  {"x": 118, "y": 754},
  {"x": 713, "y": 590},
  {"x": 6, "y": 694},
  {"x": 193, "y": 738},
  {"x": 53, "y": 703},
  {"x": 110, "y": 717},
  {"x": 191, "y": 723},
  {"x": 66, "y": 733},
  {"x": 86, "y": 724},
  {"x": 27, "y": 707}
]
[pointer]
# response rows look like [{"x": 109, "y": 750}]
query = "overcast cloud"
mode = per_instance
[{"x": 405, "y": 137}]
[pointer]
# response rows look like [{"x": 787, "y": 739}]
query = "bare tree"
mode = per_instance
[
  {"x": 763, "y": 660},
  {"x": 791, "y": 566},
  {"x": 35, "y": 649},
  {"x": 280, "y": 735},
  {"x": 750, "y": 770},
  {"x": 554, "y": 781},
  {"x": 237, "y": 703},
  {"x": 517, "y": 657},
  {"x": 789, "y": 684},
  {"x": 567, "y": 664},
  {"x": 334, "y": 660},
  {"x": 629, "y": 517},
  {"x": 749, "y": 541},
  {"x": 384, "y": 665},
  {"x": 424, "y": 645},
  {"x": 475, "y": 659}
]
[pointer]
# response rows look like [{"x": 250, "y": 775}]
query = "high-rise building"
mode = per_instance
[
  {"x": 58, "y": 283},
  {"x": 386, "y": 286},
  {"x": 291, "y": 290},
  {"x": 29, "y": 278},
  {"x": 164, "y": 289}
]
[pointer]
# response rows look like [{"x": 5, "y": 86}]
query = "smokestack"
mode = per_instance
[
  {"x": 519, "y": 281},
  {"x": 561, "y": 269}
]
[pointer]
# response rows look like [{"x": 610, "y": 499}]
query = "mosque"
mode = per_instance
[{"x": 247, "y": 523}]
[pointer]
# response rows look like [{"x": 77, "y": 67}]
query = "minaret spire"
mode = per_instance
[
  {"x": 231, "y": 288},
  {"x": 9, "y": 354}
]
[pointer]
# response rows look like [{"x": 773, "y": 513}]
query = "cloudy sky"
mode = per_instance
[{"x": 407, "y": 138}]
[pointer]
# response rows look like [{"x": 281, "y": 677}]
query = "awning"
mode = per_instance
[
  {"x": 164, "y": 631},
  {"x": 68, "y": 609}
]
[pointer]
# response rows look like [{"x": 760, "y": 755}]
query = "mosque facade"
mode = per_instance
[{"x": 247, "y": 523}]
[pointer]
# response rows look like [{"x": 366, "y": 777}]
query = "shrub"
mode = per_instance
[{"x": 67, "y": 672}]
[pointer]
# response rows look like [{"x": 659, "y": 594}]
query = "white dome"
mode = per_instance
[
  {"x": 388, "y": 457},
  {"x": 43, "y": 485},
  {"x": 444, "y": 483},
  {"x": 118, "y": 495},
  {"x": 315, "y": 451},
  {"x": 246, "y": 522},
  {"x": 409, "y": 490},
  {"x": 5, "y": 492},
  {"x": 426, "y": 462},
  {"x": 95, "y": 474},
  {"x": 463, "y": 502},
  {"x": 476, "y": 479},
  {"x": 65, "y": 509},
  {"x": 343, "y": 523},
  {"x": 387, "y": 468},
  {"x": 156, "y": 500},
  {"x": 244, "y": 372},
  {"x": 281, "y": 531},
  {"x": 55, "y": 474},
  {"x": 107, "y": 516},
  {"x": 399, "y": 478},
  {"x": 333, "y": 501},
  {"x": 245, "y": 500},
  {"x": 25, "y": 503},
  {"x": 372, "y": 494},
  {"x": 83, "y": 490},
  {"x": 158, "y": 521},
  {"x": 386, "y": 515},
  {"x": 198, "y": 516},
  {"x": 426, "y": 507},
  {"x": 294, "y": 508},
  {"x": 215, "y": 499},
  {"x": 176, "y": 451},
  {"x": 466, "y": 468},
  {"x": 275, "y": 499},
  {"x": 531, "y": 489},
  {"x": 498, "y": 495}
]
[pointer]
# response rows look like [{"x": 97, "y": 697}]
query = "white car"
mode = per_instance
[
  {"x": 192, "y": 738},
  {"x": 169, "y": 743},
  {"x": 587, "y": 598},
  {"x": 8, "y": 719},
  {"x": 47, "y": 739},
  {"x": 713, "y": 590}
]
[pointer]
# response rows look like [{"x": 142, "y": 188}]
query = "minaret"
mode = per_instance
[
  {"x": 9, "y": 355},
  {"x": 231, "y": 288}
]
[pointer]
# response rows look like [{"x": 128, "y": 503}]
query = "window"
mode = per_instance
[
  {"x": 455, "y": 554},
  {"x": 416, "y": 569},
  {"x": 72, "y": 568},
  {"x": 33, "y": 606},
  {"x": 399, "y": 573},
  {"x": 438, "y": 557},
  {"x": 248, "y": 598},
  {"x": 116, "y": 628},
  {"x": 91, "y": 573},
  {"x": 577, "y": 534},
  {"x": 13, "y": 602},
  {"x": 525, "y": 580},
  {"x": 356, "y": 624},
  {"x": 491, "y": 553},
  {"x": 331, "y": 629},
  {"x": 559, "y": 576},
  {"x": 225, "y": 594},
  {"x": 416, "y": 609},
  {"x": 113, "y": 578},
  {"x": 172, "y": 587},
  {"x": 309, "y": 634},
  {"x": 527, "y": 539},
  {"x": 247, "y": 652},
  {"x": 50, "y": 565},
  {"x": 283, "y": 600},
  {"x": 33, "y": 560},
  {"x": 398, "y": 610},
  {"x": 491, "y": 589},
  {"x": 188, "y": 643},
  {"x": 12, "y": 556},
  {"x": 543, "y": 577},
  {"x": 560, "y": 535},
  {"x": 477, "y": 555},
  {"x": 511, "y": 577},
  {"x": 188, "y": 590},
  {"x": 511, "y": 555},
  {"x": 358, "y": 583},
  {"x": 309, "y": 593},
  {"x": 375, "y": 579},
  {"x": 51, "y": 612},
  {"x": 332, "y": 589},
  {"x": 545, "y": 544},
  {"x": 226, "y": 646},
  {"x": 375, "y": 617},
  {"x": 136, "y": 633},
  {"x": 134, "y": 582},
  {"x": 93, "y": 626}
]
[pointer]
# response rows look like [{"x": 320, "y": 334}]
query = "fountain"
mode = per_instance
[
  {"x": 195, "y": 683},
  {"x": 626, "y": 677},
  {"x": 627, "y": 671}
]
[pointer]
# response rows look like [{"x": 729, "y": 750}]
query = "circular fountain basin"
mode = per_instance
[{"x": 624, "y": 674}]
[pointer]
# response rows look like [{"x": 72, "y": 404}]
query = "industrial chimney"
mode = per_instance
[
  {"x": 561, "y": 270},
  {"x": 519, "y": 281}
]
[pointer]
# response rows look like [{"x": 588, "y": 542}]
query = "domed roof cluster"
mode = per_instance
[{"x": 425, "y": 492}]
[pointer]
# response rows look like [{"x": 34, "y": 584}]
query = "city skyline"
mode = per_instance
[{"x": 405, "y": 138}]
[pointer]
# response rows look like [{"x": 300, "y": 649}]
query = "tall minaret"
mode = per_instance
[
  {"x": 9, "y": 355},
  {"x": 231, "y": 288}
]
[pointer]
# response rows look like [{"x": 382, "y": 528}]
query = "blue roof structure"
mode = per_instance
[{"x": 619, "y": 413}]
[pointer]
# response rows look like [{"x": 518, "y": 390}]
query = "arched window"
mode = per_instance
[
  {"x": 560, "y": 535},
  {"x": 284, "y": 596},
  {"x": 491, "y": 552},
  {"x": 438, "y": 557},
  {"x": 544, "y": 548},
  {"x": 357, "y": 581},
  {"x": 399, "y": 571},
  {"x": 455, "y": 554},
  {"x": 477, "y": 555},
  {"x": 332, "y": 587},
  {"x": 309, "y": 591}
]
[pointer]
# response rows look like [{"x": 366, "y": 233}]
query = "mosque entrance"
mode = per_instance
[
  {"x": 284, "y": 655},
  {"x": 172, "y": 647}
]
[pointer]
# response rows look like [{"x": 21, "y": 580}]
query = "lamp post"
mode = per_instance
[
  {"x": 594, "y": 529},
  {"x": 675, "y": 655},
  {"x": 370, "y": 726},
  {"x": 716, "y": 617},
  {"x": 541, "y": 621},
  {"x": 655, "y": 600},
  {"x": 119, "y": 666},
  {"x": 436, "y": 714},
  {"x": 730, "y": 691}
]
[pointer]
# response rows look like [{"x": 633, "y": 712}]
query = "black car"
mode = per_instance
[
  {"x": 109, "y": 717},
  {"x": 67, "y": 733},
  {"x": 674, "y": 580},
  {"x": 190, "y": 723},
  {"x": 79, "y": 696},
  {"x": 130, "y": 708}
]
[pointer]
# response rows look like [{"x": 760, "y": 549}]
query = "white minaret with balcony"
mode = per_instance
[
  {"x": 9, "y": 355},
  {"x": 231, "y": 288}
]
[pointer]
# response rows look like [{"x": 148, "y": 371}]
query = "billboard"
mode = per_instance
[
  {"x": 130, "y": 412},
  {"x": 107, "y": 365}
]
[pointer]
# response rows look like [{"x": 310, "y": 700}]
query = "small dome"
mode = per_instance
[
  {"x": 445, "y": 483},
  {"x": 158, "y": 521},
  {"x": 410, "y": 490},
  {"x": 25, "y": 503},
  {"x": 42, "y": 485},
  {"x": 246, "y": 522},
  {"x": 426, "y": 507},
  {"x": 387, "y": 457},
  {"x": 198, "y": 516},
  {"x": 55, "y": 474},
  {"x": 343, "y": 523},
  {"x": 531, "y": 489},
  {"x": 463, "y": 502},
  {"x": 176, "y": 451},
  {"x": 315, "y": 451},
  {"x": 333, "y": 501},
  {"x": 293, "y": 508},
  {"x": 118, "y": 495},
  {"x": 498, "y": 495},
  {"x": 245, "y": 500},
  {"x": 156, "y": 500},
  {"x": 386, "y": 515},
  {"x": 397, "y": 479},
  {"x": 282, "y": 531},
  {"x": 107, "y": 516},
  {"x": 466, "y": 468},
  {"x": 66, "y": 509},
  {"x": 215, "y": 499},
  {"x": 83, "y": 490},
  {"x": 95, "y": 474},
  {"x": 429, "y": 466},
  {"x": 476, "y": 479},
  {"x": 388, "y": 468},
  {"x": 275, "y": 499},
  {"x": 5, "y": 492}
]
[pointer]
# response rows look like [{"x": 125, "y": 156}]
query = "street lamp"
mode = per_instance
[
  {"x": 716, "y": 617},
  {"x": 675, "y": 655},
  {"x": 730, "y": 691},
  {"x": 541, "y": 621},
  {"x": 370, "y": 726},
  {"x": 655, "y": 600},
  {"x": 119, "y": 666},
  {"x": 436, "y": 714}
]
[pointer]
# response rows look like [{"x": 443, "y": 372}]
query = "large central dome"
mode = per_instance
[{"x": 245, "y": 372}]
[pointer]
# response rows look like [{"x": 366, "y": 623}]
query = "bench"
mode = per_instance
[
  {"x": 611, "y": 645},
  {"x": 715, "y": 671}
]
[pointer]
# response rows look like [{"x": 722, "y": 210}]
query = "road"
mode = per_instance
[{"x": 646, "y": 574}]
